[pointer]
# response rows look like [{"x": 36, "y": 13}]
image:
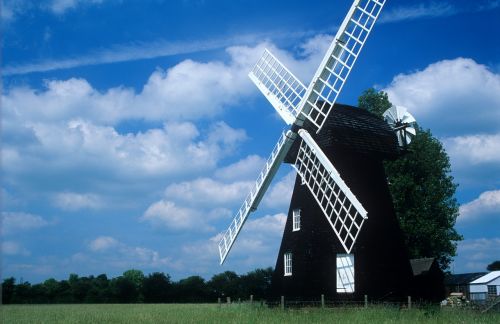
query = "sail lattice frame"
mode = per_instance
[
  {"x": 339, "y": 60},
  {"x": 283, "y": 89},
  {"x": 342, "y": 209}
]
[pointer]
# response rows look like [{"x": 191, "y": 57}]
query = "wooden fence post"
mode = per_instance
[
  {"x": 409, "y": 302},
  {"x": 218, "y": 302},
  {"x": 251, "y": 299},
  {"x": 322, "y": 301},
  {"x": 366, "y": 301},
  {"x": 282, "y": 302},
  {"x": 228, "y": 300}
]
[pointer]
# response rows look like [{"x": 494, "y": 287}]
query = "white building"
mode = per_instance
[{"x": 485, "y": 287}]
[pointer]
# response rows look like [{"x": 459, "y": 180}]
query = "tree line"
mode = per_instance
[{"x": 135, "y": 287}]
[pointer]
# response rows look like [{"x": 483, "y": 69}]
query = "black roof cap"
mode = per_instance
[{"x": 353, "y": 129}]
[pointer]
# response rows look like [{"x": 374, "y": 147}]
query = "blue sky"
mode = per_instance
[{"x": 131, "y": 133}]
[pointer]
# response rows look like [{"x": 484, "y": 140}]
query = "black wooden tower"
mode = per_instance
[{"x": 356, "y": 142}]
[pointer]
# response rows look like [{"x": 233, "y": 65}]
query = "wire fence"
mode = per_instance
[{"x": 322, "y": 302}]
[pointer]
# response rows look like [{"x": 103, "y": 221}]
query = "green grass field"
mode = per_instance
[{"x": 244, "y": 313}]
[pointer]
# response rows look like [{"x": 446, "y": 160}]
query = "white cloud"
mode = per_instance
[
  {"x": 485, "y": 206},
  {"x": 103, "y": 243},
  {"x": 435, "y": 9},
  {"x": 78, "y": 150},
  {"x": 475, "y": 254},
  {"x": 13, "y": 222},
  {"x": 267, "y": 225},
  {"x": 245, "y": 169},
  {"x": 417, "y": 11},
  {"x": 115, "y": 254},
  {"x": 166, "y": 214},
  {"x": 12, "y": 8},
  {"x": 187, "y": 91},
  {"x": 60, "y": 6},
  {"x": 14, "y": 248},
  {"x": 280, "y": 194},
  {"x": 209, "y": 192},
  {"x": 256, "y": 246},
  {"x": 473, "y": 150},
  {"x": 72, "y": 201},
  {"x": 452, "y": 97}
]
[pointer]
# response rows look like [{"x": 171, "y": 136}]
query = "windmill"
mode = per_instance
[{"x": 307, "y": 110}]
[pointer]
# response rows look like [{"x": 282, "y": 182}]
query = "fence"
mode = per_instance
[{"x": 322, "y": 302}]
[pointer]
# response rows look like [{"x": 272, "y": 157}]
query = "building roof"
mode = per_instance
[
  {"x": 462, "y": 278},
  {"x": 486, "y": 278},
  {"x": 353, "y": 129},
  {"x": 422, "y": 265}
]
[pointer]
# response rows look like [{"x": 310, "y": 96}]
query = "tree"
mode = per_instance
[
  {"x": 226, "y": 284},
  {"x": 493, "y": 266},
  {"x": 422, "y": 190},
  {"x": 125, "y": 290},
  {"x": 8, "y": 290},
  {"x": 191, "y": 289},
  {"x": 157, "y": 288},
  {"x": 256, "y": 283}
]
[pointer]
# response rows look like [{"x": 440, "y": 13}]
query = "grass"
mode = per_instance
[{"x": 244, "y": 313}]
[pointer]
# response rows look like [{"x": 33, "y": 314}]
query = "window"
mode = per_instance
[
  {"x": 288, "y": 264},
  {"x": 345, "y": 273},
  {"x": 296, "y": 219},
  {"x": 492, "y": 291}
]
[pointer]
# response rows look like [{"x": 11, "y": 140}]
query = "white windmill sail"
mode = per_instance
[
  {"x": 255, "y": 196},
  {"x": 342, "y": 209},
  {"x": 295, "y": 103},
  {"x": 339, "y": 60},
  {"x": 283, "y": 89}
]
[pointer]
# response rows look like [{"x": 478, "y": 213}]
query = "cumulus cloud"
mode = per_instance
[
  {"x": 72, "y": 201},
  {"x": 116, "y": 254},
  {"x": 167, "y": 214},
  {"x": 189, "y": 90},
  {"x": 78, "y": 149},
  {"x": 280, "y": 194},
  {"x": 256, "y": 246},
  {"x": 103, "y": 243},
  {"x": 475, "y": 254},
  {"x": 13, "y": 222},
  {"x": 459, "y": 100},
  {"x": 206, "y": 191},
  {"x": 485, "y": 206},
  {"x": 453, "y": 97},
  {"x": 473, "y": 150},
  {"x": 245, "y": 169},
  {"x": 14, "y": 248}
]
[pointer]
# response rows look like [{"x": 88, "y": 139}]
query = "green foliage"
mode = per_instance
[
  {"x": 134, "y": 287},
  {"x": 495, "y": 265},
  {"x": 192, "y": 289},
  {"x": 225, "y": 284},
  {"x": 8, "y": 290},
  {"x": 375, "y": 102},
  {"x": 257, "y": 283},
  {"x": 422, "y": 190},
  {"x": 157, "y": 288}
]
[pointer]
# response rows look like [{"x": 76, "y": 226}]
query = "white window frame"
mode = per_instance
[
  {"x": 287, "y": 258},
  {"x": 345, "y": 274},
  {"x": 296, "y": 220}
]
